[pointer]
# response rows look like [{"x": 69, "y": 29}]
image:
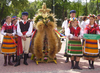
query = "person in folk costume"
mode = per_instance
[
  {"x": 65, "y": 24},
  {"x": 74, "y": 46},
  {"x": 14, "y": 22},
  {"x": 8, "y": 45},
  {"x": 98, "y": 18},
  {"x": 84, "y": 23},
  {"x": 98, "y": 21},
  {"x": 90, "y": 51},
  {"x": 24, "y": 31}
]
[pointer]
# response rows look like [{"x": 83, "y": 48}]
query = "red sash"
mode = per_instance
[{"x": 20, "y": 47}]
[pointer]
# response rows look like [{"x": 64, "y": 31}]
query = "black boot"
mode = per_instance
[
  {"x": 9, "y": 60},
  {"x": 74, "y": 58},
  {"x": 13, "y": 58},
  {"x": 18, "y": 62},
  {"x": 77, "y": 65},
  {"x": 5, "y": 61},
  {"x": 16, "y": 58},
  {"x": 67, "y": 60},
  {"x": 28, "y": 56},
  {"x": 25, "y": 59},
  {"x": 72, "y": 64},
  {"x": 90, "y": 66}
]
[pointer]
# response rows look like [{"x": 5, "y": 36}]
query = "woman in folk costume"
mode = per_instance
[
  {"x": 74, "y": 47},
  {"x": 90, "y": 51},
  {"x": 14, "y": 22},
  {"x": 8, "y": 46}
]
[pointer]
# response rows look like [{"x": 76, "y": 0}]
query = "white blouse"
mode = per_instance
[
  {"x": 4, "y": 33},
  {"x": 71, "y": 35}
]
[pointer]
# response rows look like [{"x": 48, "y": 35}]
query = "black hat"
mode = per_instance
[
  {"x": 72, "y": 11},
  {"x": 24, "y": 13}
]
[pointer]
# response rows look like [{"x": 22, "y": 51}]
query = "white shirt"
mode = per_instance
[
  {"x": 67, "y": 33},
  {"x": 83, "y": 24},
  {"x": 4, "y": 33},
  {"x": 29, "y": 32},
  {"x": 64, "y": 23},
  {"x": 99, "y": 23}
]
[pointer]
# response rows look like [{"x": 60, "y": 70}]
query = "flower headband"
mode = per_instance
[
  {"x": 14, "y": 17},
  {"x": 91, "y": 15},
  {"x": 73, "y": 19}
]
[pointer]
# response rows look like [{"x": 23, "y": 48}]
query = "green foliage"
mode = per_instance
[
  {"x": 8, "y": 7},
  {"x": 62, "y": 7},
  {"x": 38, "y": 18}
]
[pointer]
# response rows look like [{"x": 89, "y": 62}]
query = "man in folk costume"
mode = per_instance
[
  {"x": 24, "y": 31},
  {"x": 65, "y": 24}
]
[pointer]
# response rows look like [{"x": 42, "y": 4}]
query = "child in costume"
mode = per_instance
[
  {"x": 74, "y": 47},
  {"x": 65, "y": 23},
  {"x": 24, "y": 32},
  {"x": 8, "y": 46},
  {"x": 14, "y": 22},
  {"x": 90, "y": 51}
]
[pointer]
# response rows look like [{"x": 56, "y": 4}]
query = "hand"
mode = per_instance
[
  {"x": 24, "y": 38},
  {"x": 63, "y": 30},
  {"x": 9, "y": 34},
  {"x": 69, "y": 36},
  {"x": 79, "y": 37},
  {"x": 75, "y": 37}
]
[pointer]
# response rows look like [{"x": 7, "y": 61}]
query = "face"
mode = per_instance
[
  {"x": 91, "y": 20},
  {"x": 15, "y": 21},
  {"x": 98, "y": 17},
  {"x": 8, "y": 20},
  {"x": 24, "y": 17},
  {"x": 72, "y": 15},
  {"x": 74, "y": 23}
]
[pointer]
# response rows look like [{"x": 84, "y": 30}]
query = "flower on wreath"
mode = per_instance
[
  {"x": 45, "y": 18},
  {"x": 91, "y": 15}
]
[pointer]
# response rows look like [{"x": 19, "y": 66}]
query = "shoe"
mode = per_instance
[
  {"x": 77, "y": 66},
  {"x": 67, "y": 60},
  {"x": 9, "y": 62},
  {"x": 18, "y": 63},
  {"x": 25, "y": 59},
  {"x": 72, "y": 64},
  {"x": 5, "y": 59}
]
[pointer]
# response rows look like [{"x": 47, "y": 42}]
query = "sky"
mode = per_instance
[{"x": 70, "y": 0}]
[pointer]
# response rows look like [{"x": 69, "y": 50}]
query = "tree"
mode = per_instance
[{"x": 7, "y": 7}]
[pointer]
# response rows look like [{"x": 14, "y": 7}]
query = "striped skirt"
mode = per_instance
[
  {"x": 8, "y": 46},
  {"x": 74, "y": 47},
  {"x": 90, "y": 49}
]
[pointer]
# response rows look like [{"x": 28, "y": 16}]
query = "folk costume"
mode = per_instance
[
  {"x": 16, "y": 38},
  {"x": 65, "y": 24},
  {"x": 91, "y": 51},
  {"x": 8, "y": 45},
  {"x": 24, "y": 28},
  {"x": 74, "y": 46}
]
